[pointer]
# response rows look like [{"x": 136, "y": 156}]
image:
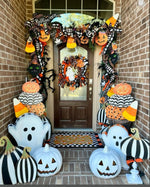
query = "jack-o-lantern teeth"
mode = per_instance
[
  {"x": 53, "y": 160},
  {"x": 47, "y": 172},
  {"x": 106, "y": 174}
]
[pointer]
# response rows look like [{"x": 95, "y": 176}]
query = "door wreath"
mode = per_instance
[{"x": 73, "y": 72}]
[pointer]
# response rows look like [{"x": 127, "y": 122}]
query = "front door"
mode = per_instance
[{"x": 73, "y": 109}]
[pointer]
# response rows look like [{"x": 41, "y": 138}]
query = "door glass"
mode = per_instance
[{"x": 81, "y": 92}]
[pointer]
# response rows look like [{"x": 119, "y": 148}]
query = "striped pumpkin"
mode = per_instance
[
  {"x": 8, "y": 161},
  {"x": 135, "y": 146},
  {"x": 26, "y": 169},
  {"x": 101, "y": 117}
]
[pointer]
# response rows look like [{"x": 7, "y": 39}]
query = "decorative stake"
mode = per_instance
[{"x": 134, "y": 177}]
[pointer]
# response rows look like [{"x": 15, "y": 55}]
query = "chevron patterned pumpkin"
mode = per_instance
[
  {"x": 8, "y": 161},
  {"x": 26, "y": 168}
]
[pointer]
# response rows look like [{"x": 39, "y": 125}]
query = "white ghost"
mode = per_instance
[{"x": 30, "y": 131}]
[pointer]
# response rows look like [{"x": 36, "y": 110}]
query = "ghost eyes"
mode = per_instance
[
  {"x": 32, "y": 128},
  {"x": 25, "y": 129}
]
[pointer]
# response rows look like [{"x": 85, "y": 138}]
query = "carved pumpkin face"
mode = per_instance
[
  {"x": 105, "y": 163},
  {"x": 49, "y": 160},
  {"x": 44, "y": 37},
  {"x": 84, "y": 39},
  {"x": 101, "y": 39}
]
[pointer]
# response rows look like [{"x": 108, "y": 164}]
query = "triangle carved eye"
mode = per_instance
[
  {"x": 53, "y": 160},
  {"x": 114, "y": 163},
  {"x": 101, "y": 163},
  {"x": 40, "y": 162}
]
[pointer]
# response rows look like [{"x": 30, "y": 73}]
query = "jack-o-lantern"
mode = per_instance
[
  {"x": 49, "y": 160},
  {"x": 84, "y": 39},
  {"x": 105, "y": 163},
  {"x": 101, "y": 39},
  {"x": 44, "y": 37}
]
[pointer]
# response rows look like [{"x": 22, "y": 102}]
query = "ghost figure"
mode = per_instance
[
  {"x": 70, "y": 73},
  {"x": 30, "y": 130},
  {"x": 112, "y": 137}
]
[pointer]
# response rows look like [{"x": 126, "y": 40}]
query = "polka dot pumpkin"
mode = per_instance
[
  {"x": 123, "y": 89},
  {"x": 113, "y": 112},
  {"x": 37, "y": 109},
  {"x": 30, "y": 87}
]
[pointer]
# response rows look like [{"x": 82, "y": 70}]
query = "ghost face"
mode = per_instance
[
  {"x": 115, "y": 135},
  {"x": 29, "y": 131}
]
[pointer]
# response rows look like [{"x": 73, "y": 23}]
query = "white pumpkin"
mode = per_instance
[
  {"x": 105, "y": 163},
  {"x": 49, "y": 160}
]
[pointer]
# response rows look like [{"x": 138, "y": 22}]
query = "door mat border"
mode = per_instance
[{"x": 96, "y": 141}]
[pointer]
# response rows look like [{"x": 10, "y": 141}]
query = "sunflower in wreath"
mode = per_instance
[{"x": 73, "y": 72}]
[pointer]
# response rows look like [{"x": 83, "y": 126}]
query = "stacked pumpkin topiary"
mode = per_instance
[
  {"x": 32, "y": 98},
  {"x": 122, "y": 107}
]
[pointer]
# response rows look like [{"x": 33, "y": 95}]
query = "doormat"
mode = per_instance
[{"x": 75, "y": 139}]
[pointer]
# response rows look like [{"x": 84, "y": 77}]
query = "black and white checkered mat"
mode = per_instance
[{"x": 58, "y": 142}]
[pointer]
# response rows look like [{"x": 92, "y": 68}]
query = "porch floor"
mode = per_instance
[{"x": 75, "y": 170}]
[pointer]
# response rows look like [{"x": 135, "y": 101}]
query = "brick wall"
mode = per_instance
[
  {"x": 13, "y": 61},
  {"x": 133, "y": 66}
]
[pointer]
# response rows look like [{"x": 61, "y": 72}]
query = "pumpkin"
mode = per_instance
[
  {"x": 49, "y": 160},
  {"x": 43, "y": 36},
  {"x": 71, "y": 42},
  {"x": 26, "y": 168},
  {"x": 8, "y": 161},
  {"x": 84, "y": 40},
  {"x": 120, "y": 100},
  {"x": 123, "y": 89},
  {"x": 30, "y": 130},
  {"x": 30, "y": 98},
  {"x": 101, "y": 117},
  {"x": 101, "y": 39},
  {"x": 37, "y": 109},
  {"x": 30, "y": 87},
  {"x": 105, "y": 163}
]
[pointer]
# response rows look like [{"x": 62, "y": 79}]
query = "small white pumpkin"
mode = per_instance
[
  {"x": 105, "y": 163},
  {"x": 49, "y": 160}
]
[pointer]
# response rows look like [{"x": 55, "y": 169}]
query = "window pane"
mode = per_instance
[
  {"x": 73, "y": 11},
  {"x": 58, "y": 12},
  {"x": 90, "y": 13},
  {"x": 79, "y": 94},
  {"x": 89, "y": 4},
  {"x": 58, "y": 4},
  {"x": 74, "y": 4},
  {"x": 105, "y": 5},
  {"x": 42, "y": 4},
  {"x": 105, "y": 15},
  {"x": 44, "y": 12}
]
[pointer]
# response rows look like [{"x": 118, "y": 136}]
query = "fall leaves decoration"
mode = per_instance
[{"x": 73, "y": 72}]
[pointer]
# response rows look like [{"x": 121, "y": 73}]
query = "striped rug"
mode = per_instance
[{"x": 75, "y": 139}]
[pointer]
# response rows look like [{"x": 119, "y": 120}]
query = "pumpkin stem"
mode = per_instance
[
  {"x": 46, "y": 148},
  {"x": 5, "y": 141},
  {"x": 25, "y": 154},
  {"x": 105, "y": 149}
]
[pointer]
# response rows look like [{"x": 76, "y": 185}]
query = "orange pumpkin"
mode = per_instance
[
  {"x": 84, "y": 40},
  {"x": 123, "y": 89},
  {"x": 30, "y": 87},
  {"x": 37, "y": 109},
  {"x": 101, "y": 39},
  {"x": 114, "y": 46},
  {"x": 113, "y": 112},
  {"x": 44, "y": 37}
]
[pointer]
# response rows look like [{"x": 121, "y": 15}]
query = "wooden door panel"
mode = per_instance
[
  {"x": 81, "y": 113},
  {"x": 65, "y": 113}
]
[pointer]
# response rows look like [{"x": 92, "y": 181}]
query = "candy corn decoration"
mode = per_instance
[
  {"x": 130, "y": 112},
  {"x": 112, "y": 20},
  {"x": 110, "y": 91},
  {"x": 29, "y": 46},
  {"x": 71, "y": 43},
  {"x": 19, "y": 108}
]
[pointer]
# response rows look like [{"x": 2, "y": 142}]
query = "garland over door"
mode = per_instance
[{"x": 73, "y": 109}]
